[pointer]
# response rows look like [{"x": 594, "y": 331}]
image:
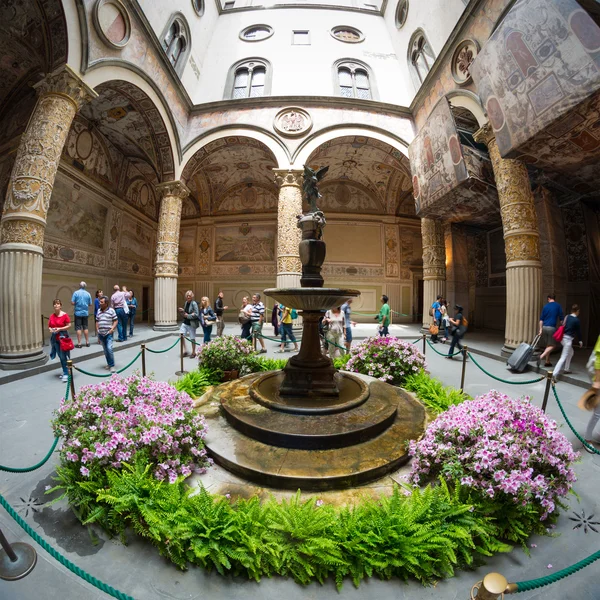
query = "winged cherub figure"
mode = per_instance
[{"x": 310, "y": 186}]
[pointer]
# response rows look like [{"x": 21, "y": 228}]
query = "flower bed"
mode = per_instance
[
  {"x": 107, "y": 424},
  {"x": 387, "y": 358},
  {"x": 503, "y": 448}
]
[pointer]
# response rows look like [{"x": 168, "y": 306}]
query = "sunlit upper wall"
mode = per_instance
[{"x": 303, "y": 68}]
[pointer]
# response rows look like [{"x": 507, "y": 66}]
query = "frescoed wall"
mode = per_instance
[{"x": 238, "y": 244}]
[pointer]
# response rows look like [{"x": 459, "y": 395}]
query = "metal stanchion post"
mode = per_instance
[
  {"x": 43, "y": 335},
  {"x": 17, "y": 560},
  {"x": 143, "y": 360},
  {"x": 549, "y": 375},
  {"x": 71, "y": 378},
  {"x": 493, "y": 587},
  {"x": 424, "y": 342},
  {"x": 465, "y": 350},
  {"x": 181, "y": 347}
]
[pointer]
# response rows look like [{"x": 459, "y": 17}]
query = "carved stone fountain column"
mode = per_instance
[
  {"x": 521, "y": 240},
  {"x": 167, "y": 252},
  {"x": 434, "y": 265},
  {"x": 60, "y": 96},
  {"x": 289, "y": 207}
]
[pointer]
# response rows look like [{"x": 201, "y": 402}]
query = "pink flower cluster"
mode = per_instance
[
  {"x": 225, "y": 353},
  {"x": 109, "y": 423},
  {"x": 499, "y": 446},
  {"x": 387, "y": 358}
]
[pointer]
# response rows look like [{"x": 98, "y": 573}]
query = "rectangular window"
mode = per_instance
[
  {"x": 229, "y": 5},
  {"x": 301, "y": 38}
]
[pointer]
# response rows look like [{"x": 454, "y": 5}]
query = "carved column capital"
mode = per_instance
[
  {"x": 173, "y": 188},
  {"x": 65, "y": 82},
  {"x": 288, "y": 177},
  {"x": 485, "y": 135}
]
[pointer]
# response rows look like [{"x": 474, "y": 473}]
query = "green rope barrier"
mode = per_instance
[
  {"x": 532, "y": 584},
  {"x": 442, "y": 353},
  {"x": 564, "y": 414},
  {"x": 165, "y": 350},
  {"x": 107, "y": 589},
  {"x": 264, "y": 337},
  {"x": 34, "y": 467},
  {"x": 107, "y": 374},
  {"x": 505, "y": 380}
]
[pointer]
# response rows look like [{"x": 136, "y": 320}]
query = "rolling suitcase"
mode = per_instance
[{"x": 518, "y": 360}]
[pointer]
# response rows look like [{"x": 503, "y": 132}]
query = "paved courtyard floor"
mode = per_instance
[{"x": 26, "y": 407}]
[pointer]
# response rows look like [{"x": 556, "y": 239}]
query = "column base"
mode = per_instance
[
  {"x": 27, "y": 361},
  {"x": 166, "y": 327}
]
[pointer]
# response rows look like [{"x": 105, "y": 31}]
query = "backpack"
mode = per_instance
[
  {"x": 465, "y": 323},
  {"x": 243, "y": 317},
  {"x": 294, "y": 314},
  {"x": 431, "y": 311}
]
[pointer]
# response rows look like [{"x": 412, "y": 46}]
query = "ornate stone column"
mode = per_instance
[
  {"x": 434, "y": 265},
  {"x": 521, "y": 240},
  {"x": 167, "y": 251},
  {"x": 289, "y": 235},
  {"x": 60, "y": 96}
]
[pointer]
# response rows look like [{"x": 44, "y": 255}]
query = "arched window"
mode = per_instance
[
  {"x": 249, "y": 79},
  {"x": 176, "y": 41},
  {"x": 421, "y": 57},
  {"x": 353, "y": 80}
]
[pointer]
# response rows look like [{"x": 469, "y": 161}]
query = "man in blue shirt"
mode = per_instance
[
  {"x": 437, "y": 316},
  {"x": 551, "y": 317},
  {"x": 82, "y": 300}
]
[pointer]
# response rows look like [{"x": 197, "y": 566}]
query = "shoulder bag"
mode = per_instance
[
  {"x": 560, "y": 332},
  {"x": 66, "y": 343}
]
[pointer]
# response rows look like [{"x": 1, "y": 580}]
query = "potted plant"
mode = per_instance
[{"x": 227, "y": 354}]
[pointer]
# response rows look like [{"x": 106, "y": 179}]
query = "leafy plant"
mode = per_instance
[
  {"x": 433, "y": 394},
  {"x": 257, "y": 364},
  {"x": 341, "y": 361},
  {"x": 195, "y": 382},
  {"x": 225, "y": 353},
  {"x": 387, "y": 358}
]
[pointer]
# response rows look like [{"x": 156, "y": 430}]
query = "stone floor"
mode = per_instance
[{"x": 26, "y": 407}]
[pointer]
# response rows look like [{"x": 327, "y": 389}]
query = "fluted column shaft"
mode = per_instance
[
  {"x": 167, "y": 253},
  {"x": 289, "y": 267},
  {"x": 522, "y": 244},
  {"x": 434, "y": 265},
  {"x": 60, "y": 96}
]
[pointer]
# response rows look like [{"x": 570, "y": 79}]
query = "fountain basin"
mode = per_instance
[{"x": 311, "y": 298}]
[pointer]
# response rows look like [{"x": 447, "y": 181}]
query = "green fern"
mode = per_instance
[{"x": 433, "y": 394}]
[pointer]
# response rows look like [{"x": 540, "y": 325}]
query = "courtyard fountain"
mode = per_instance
[{"x": 309, "y": 425}]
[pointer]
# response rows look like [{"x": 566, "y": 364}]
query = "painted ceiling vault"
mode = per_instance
[
  {"x": 33, "y": 41},
  {"x": 231, "y": 175},
  {"x": 365, "y": 176}
]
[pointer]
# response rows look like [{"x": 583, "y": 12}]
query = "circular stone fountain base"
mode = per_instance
[{"x": 312, "y": 452}]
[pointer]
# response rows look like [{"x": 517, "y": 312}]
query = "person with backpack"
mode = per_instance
[
  {"x": 285, "y": 323},
  {"x": 571, "y": 330},
  {"x": 459, "y": 324}
]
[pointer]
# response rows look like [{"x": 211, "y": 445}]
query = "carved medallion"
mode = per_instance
[
  {"x": 462, "y": 58},
  {"x": 112, "y": 22},
  {"x": 244, "y": 229},
  {"x": 292, "y": 122}
]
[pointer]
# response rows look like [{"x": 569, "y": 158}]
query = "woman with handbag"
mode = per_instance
[
  {"x": 207, "y": 319},
  {"x": 60, "y": 342},
  {"x": 459, "y": 324},
  {"x": 191, "y": 319},
  {"x": 566, "y": 333},
  {"x": 244, "y": 318}
]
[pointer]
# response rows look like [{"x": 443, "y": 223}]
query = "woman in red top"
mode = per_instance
[{"x": 57, "y": 323}]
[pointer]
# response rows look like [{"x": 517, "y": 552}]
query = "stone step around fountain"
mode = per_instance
[
  {"x": 337, "y": 468},
  {"x": 310, "y": 431}
]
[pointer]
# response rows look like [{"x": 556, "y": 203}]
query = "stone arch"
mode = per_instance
[
  {"x": 279, "y": 150},
  {"x": 469, "y": 101},
  {"x": 231, "y": 174},
  {"x": 318, "y": 138},
  {"x": 105, "y": 73}
]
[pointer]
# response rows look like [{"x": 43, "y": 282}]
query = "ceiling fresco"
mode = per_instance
[
  {"x": 33, "y": 41},
  {"x": 231, "y": 175},
  {"x": 130, "y": 121},
  {"x": 365, "y": 176}
]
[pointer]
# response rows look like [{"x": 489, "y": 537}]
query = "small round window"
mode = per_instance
[
  {"x": 350, "y": 35},
  {"x": 401, "y": 13},
  {"x": 256, "y": 33},
  {"x": 198, "y": 7}
]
